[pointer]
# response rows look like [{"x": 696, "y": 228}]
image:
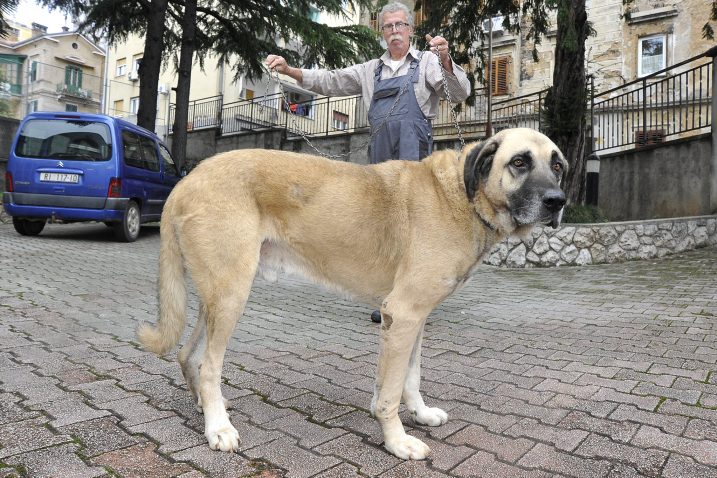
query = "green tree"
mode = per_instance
[
  {"x": 565, "y": 107},
  {"x": 241, "y": 33},
  {"x": 7, "y": 8}
]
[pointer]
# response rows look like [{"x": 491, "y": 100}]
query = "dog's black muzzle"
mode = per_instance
[{"x": 553, "y": 201}]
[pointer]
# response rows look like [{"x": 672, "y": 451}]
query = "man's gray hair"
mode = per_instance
[{"x": 393, "y": 8}]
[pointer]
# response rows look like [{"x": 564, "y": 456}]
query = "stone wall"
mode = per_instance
[{"x": 581, "y": 244}]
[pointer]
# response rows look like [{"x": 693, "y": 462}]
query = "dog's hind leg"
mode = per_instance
[
  {"x": 224, "y": 291},
  {"x": 422, "y": 414},
  {"x": 190, "y": 357}
]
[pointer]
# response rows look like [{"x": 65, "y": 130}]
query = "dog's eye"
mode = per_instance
[
  {"x": 557, "y": 167},
  {"x": 518, "y": 162}
]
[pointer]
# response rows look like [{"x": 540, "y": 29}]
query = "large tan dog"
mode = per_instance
[{"x": 405, "y": 234}]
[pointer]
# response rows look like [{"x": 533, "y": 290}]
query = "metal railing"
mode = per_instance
[
  {"x": 664, "y": 105},
  {"x": 668, "y": 104}
]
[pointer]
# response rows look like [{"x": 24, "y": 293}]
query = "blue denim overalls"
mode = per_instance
[{"x": 407, "y": 132}]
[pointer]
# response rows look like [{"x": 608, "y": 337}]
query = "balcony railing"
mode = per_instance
[
  {"x": 671, "y": 103},
  {"x": 75, "y": 91}
]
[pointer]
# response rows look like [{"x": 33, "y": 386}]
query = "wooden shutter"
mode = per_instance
[{"x": 500, "y": 76}]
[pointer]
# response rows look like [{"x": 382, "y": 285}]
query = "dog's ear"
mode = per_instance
[{"x": 478, "y": 163}]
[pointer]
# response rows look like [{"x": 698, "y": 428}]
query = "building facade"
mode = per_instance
[{"x": 50, "y": 72}]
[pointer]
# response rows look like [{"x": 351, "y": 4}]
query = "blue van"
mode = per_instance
[{"x": 69, "y": 167}]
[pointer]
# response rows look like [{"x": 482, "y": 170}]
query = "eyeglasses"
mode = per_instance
[{"x": 398, "y": 26}]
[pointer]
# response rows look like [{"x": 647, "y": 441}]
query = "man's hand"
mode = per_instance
[
  {"x": 278, "y": 64},
  {"x": 439, "y": 46}
]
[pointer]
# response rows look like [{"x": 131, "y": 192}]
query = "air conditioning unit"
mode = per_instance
[
  {"x": 497, "y": 25},
  {"x": 133, "y": 75},
  {"x": 163, "y": 89}
]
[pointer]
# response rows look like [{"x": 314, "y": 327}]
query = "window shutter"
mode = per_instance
[
  {"x": 68, "y": 75},
  {"x": 79, "y": 77},
  {"x": 500, "y": 76}
]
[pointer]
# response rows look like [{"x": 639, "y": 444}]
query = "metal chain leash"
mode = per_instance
[{"x": 305, "y": 135}]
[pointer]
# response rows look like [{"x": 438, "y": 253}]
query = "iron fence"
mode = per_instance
[
  {"x": 667, "y": 104},
  {"x": 671, "y": 103}
]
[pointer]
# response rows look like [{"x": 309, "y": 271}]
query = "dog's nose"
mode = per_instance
[{"x": 554, "y": 200}]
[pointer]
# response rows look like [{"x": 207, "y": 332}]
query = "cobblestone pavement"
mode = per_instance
[{"x": 597, "y": 371}]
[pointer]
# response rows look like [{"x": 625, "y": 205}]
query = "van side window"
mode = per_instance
[
  {"x": 149, "y": 153},
  {"x": 132, "y": 152},
  {"x": 169, "y": 166}
]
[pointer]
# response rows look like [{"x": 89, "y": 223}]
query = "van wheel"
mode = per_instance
[
  {"x": 128, "y": 229},
  {"x": 28, "y": 227}
]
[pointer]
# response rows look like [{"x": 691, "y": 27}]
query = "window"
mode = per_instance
[
  {"x": 32, "y": 106},
  {"x": 422, "y": 13},
  {"x": 373, "y": 21},
  {"x": 313, "y": 13},
  {"x": 500, "y": 77},
  {"x": 136, "y": 62},
  {"x": 73, "y": 77},
  {"x": 121, "y": 68},
  {"x": 132, "y": 151},
  {"x": 33, "y": 71},
  {"x": 647, "y": 137},
  {"x": 134, "y": 105},
  {"x": 149, "y": 153},
  {"x": 70, "y": 107},
  {"x": 248, "y": 94},
  {"x": 118, "y": 107},
  {"x": 167, "y": 161},
  {"x": 651, "y": 55},
  {"x": 300, "y": 104},
  {"x": 340, "y": 120}
]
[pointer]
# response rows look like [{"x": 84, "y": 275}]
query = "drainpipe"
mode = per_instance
[{"x": 712, "y": 53}]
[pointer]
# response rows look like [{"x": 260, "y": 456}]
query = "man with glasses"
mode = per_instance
[{"x": 399, "y": 115}]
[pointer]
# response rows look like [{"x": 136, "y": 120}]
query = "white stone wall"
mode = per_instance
[{"x": 581, "y": 244}]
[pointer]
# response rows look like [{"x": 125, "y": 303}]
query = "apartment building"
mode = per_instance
[{"x": 42, "y": 71}]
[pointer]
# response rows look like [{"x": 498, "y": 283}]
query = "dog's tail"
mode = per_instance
[{"x": 171, "y": 292}]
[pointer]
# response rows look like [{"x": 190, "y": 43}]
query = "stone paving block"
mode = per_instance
[
  {"x": 56, "y": 462},
  {"x": 141, "y": 460},
  {"x": 647, "y": 462},
  {"x": 171, "y": 432},
  {"x": 134, "y": 410},
  {"x": 701, "y": 430},
  {"x": 308, "y": 434},
  {"x": 690, "y": 397},
  {"x": 28, "y": 435},
  {"x": 609, "y": 395},
  {"x": 100, "y": 436},
  {"x": 536, "y": 396},
  {"x": 698, "y": 375},
  {"x": 217, "y": 464},
  {"x": 485, "y": 465},
  {"x": 259, "y": 411},
  {"x": 70, "y": 409},
  {"x": 443, "y": 456},
  {"x": 505, "y": 448},
  {"x": 298, "y": 462},
  {"x": 491, "y": 421},
  {"x": 359, "y": 423},
  {"x": 12, "y": 411},
  {"x": 703, "y": 451},
  {"x": 668, "y": 423},
  {"x": 620, "y": 431},
  {"x": 679, "y": 466},
  {"x": 412, "y": 469},
  {"x": 370, "y": 459},
  {"x": 547, "y": 458},
  {"x": 104, "y": 390},
  {"x": 562, "y": 438}
]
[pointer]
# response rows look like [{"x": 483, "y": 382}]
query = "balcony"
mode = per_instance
[{"x": 74, "y": 91}]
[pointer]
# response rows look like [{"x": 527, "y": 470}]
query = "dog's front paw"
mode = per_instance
[
  {"x": 224, "y": 439},
  {"x": 408, "y": 448},
  {"x": 430, "y": 416}
]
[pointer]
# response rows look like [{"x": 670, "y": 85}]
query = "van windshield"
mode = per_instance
[{"x": 65, "y": 139}]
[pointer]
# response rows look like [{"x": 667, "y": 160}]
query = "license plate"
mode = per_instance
[{"x": 60, "y": 177}]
